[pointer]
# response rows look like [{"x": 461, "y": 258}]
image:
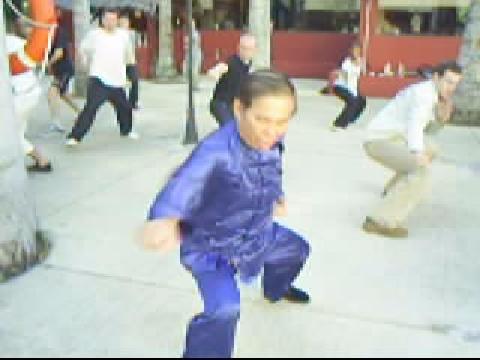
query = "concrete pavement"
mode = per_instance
[{"x": 101, "y": 295}]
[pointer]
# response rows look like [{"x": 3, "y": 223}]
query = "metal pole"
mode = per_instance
[{"x": 191, "y": 133}]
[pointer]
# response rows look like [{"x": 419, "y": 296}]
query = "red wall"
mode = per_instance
[
  {"x": 297, "y": 54},
  {"x": 309, "y": 54},
  {"x": 219, "y": 46},
  {"x": 412, "y": 51},
  {"x": 216, "y": 46}
]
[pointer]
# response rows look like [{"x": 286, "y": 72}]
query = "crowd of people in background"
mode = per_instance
[
  {"x": 108, "y": 55},
  {"x": 396, "y": 135}
]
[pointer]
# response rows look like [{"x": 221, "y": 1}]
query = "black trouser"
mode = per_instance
[
  {"x": 354, "y": 107},
  {"x": 62, "y": 81},
  {"x": 132, "y": 75},
  {"x": 97, "y": 95},
  {"x": 221, "y": 111}
]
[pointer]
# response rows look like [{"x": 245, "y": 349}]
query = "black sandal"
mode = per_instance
[{"x": 40, "y": 169}]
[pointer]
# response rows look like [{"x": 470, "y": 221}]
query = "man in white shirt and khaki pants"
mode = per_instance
[
  {"x": 107, "y": 52},
  {"x": 397, "y": 140}
]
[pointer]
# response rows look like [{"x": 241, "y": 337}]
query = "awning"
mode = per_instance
[{"x": 148, "y": 5}]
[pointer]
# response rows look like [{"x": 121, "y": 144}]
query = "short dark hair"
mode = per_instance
[
  {"x": 110, "y": 10},
  {"x": 451, "y": 66},
  {"x": 263, "y": 83},
  {"x": 125, "y": 14},
  {"x": 356, "y": 45}
]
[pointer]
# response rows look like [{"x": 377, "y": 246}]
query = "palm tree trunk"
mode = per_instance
[
  {"x": 166, "y": 66},
  {"x": 20, "y": 245},
  {"x": 468, "y": 106},
  {"x": 260, "y": 26},
  {"x": 81, "y": 19}
]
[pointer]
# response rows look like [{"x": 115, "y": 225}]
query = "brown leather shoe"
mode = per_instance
[
  {"x": 372, "y": 227},
  {"x": 37, "y": 168}
]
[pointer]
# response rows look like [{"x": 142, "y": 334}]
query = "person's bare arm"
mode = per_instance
[
  {"x": 130, "y": 57},
  {"x": 86, "y": 49}
]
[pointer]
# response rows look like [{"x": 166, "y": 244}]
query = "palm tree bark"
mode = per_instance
[
  {"x": 166, "y": 66},
  {"x": 261, "y": 27},
  {"x": 468, "y": 106},
  {"x": 81, "y": 19},
  {"x": 20, "y": 244}
]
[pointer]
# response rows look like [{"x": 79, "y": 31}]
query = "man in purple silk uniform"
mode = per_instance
[{"x": 220, "y": 206}]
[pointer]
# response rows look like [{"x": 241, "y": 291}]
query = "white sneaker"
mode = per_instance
[
  {"x": 334, "y": 128},
  {"x": 56, "y": 128},
  {"x": 133, "y": 136},
  {"x": 72, "y": 143}
]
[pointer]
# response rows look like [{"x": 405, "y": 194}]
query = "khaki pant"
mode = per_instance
[{"x": 408, "y": 187}]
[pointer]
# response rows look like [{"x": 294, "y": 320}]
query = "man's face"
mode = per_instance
[
  {"x": 266, "y": 122},
  {"x": 110, "y": 21},
  {"x": 124, "y": 23},
  {"x": 448, "y": 84},
  {"x": 247, "y": 49},
  {"x": 357, "y": 52}
]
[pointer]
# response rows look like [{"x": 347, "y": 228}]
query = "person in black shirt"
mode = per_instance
[
  {"x": 239, "y": 66},
  {"x": 61, "y": 66}
]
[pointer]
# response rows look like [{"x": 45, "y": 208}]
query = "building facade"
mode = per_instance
[{"x": 309, "y": 38}]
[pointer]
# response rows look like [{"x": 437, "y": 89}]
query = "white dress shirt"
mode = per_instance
[{"x": 408, "y": 115}]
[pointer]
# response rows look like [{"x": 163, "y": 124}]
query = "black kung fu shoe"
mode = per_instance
[{"x": 297, "y": 296}]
